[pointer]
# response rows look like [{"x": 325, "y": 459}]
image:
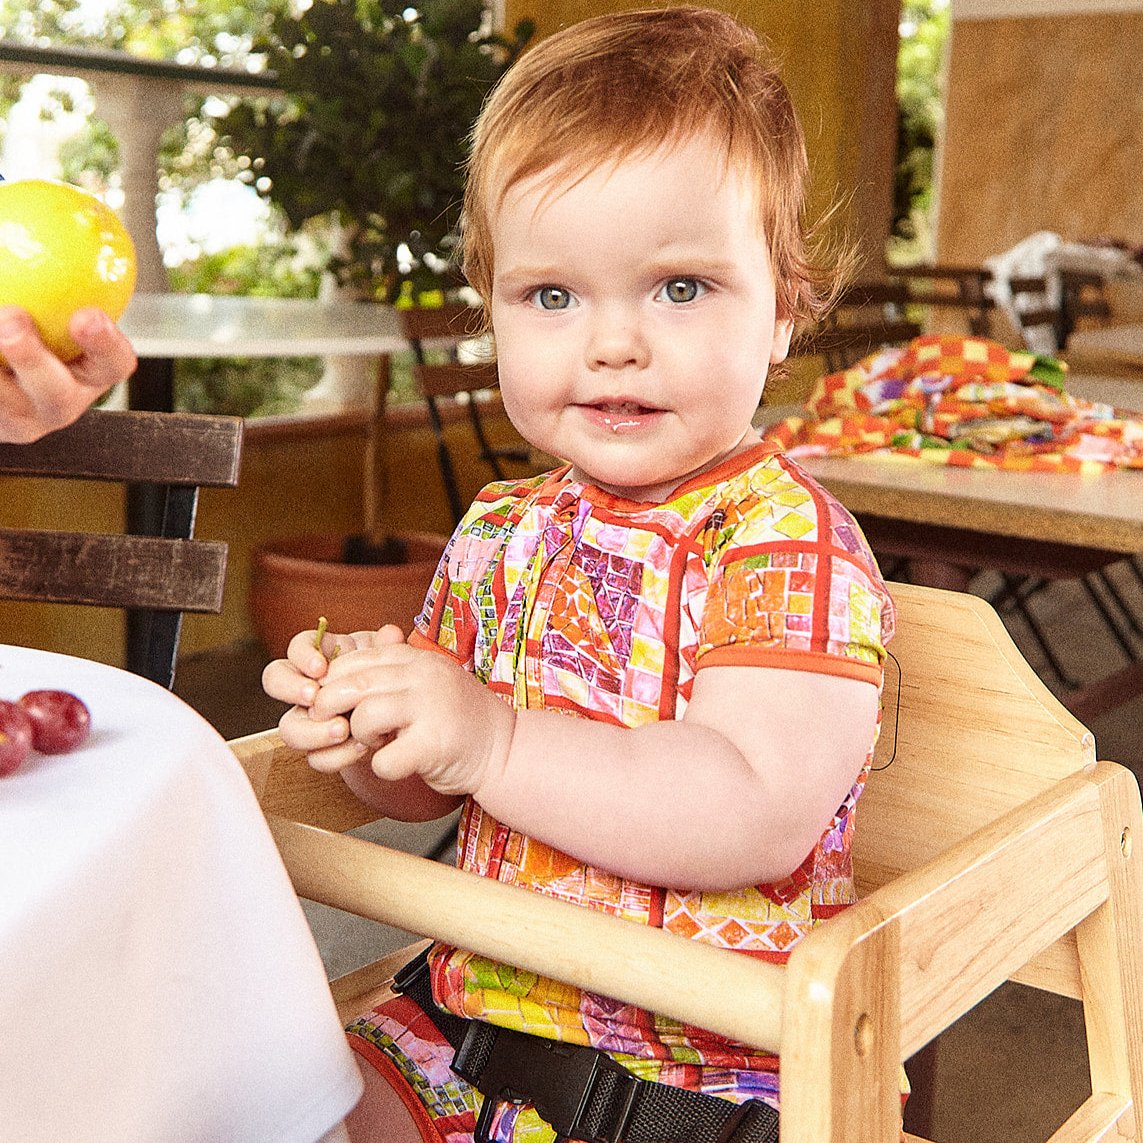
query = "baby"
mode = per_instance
[{"x": 650, "y": 676}]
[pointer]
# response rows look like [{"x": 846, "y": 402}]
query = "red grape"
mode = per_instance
[
  {"x": 60, "y": 721},
  {"x": 15, "y": 736}
]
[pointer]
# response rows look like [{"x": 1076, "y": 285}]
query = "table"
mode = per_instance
[
  {"x": 1102, "y": 512},
  {"x": 959, "y": 519},
  {"x": 160, "y": 981},
  {"x": 1115, "y": 349},
  {"x": 165, "y": 327}
]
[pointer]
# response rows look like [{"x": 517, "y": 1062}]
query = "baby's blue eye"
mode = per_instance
[
  {"x": 682, "y": 290},
  {"x": 552, "y": 298}
]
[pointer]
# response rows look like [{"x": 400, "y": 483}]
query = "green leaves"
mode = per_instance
[{"x": 379, "y": 101}]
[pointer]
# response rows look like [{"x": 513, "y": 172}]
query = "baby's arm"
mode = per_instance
[
  {"x": 38, "y": 392},
  {"x": 735, "y": 793}
]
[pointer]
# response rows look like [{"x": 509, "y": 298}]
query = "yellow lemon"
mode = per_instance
[{"x": 61, "y": 249}]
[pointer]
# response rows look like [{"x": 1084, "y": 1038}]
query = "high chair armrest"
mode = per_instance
[
  {"x": 733, "y": 995},
  {"x": 875, "y": 984}
]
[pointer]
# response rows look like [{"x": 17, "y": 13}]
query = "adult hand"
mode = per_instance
[{"x": 38, "y": 392}]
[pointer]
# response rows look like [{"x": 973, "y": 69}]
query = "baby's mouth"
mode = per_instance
[
  {"x": 621, "y": 415},
  {"x": 623, "y": 408}
]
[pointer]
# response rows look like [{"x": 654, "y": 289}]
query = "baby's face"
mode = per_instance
[{"x": 634, "y": 317}]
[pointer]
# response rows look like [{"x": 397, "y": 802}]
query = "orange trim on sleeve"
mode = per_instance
[{"x": 820, "y": 662}]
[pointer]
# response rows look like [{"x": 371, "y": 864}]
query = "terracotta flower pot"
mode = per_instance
[{"x": 296, "y": 581}]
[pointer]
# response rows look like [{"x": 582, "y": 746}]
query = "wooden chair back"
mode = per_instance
[
  {"x": 470, "y": 385},
  {"x": 948, "y": 290},
  {"x": 156, "y": 578},
  {"x": 990, "y": 846},
  {"x": 867, "y": 316},
  {"x": 1082, "y": 301}
]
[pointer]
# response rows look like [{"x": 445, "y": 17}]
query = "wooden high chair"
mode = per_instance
[{"x": 990, "y": 845}]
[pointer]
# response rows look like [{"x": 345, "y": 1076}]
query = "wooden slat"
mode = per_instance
[
  {"x": 455, "y": 321},
  {"x": 1096, "y": 1120},
  {"x": 112, "y": 571},
  {"x": 452, "y": 378},
  {"x": 158, "y": 448},
  {"x": 645, "y": 966}
]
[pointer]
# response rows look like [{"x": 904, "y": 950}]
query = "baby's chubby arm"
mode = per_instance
[
  {"x": 38, "y": 392},
  {"x": 735, "y": 793}
]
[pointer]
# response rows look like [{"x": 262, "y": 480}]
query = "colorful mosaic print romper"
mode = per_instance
[{"x": 558, "y": 595}]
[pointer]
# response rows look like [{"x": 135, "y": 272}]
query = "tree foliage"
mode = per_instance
[{"x": 372, "y": 133}]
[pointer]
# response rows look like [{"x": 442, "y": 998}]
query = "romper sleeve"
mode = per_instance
[
  {"x": 792, "y": 584},
  {"x": 448, "y": 620}
]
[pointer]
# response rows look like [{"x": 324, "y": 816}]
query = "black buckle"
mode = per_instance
[
  {"x": 745, "y": 1118},
  {"x": 558, "y": 1080}
]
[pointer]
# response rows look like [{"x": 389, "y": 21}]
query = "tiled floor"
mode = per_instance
[{"x": 1013, "y": 1069}]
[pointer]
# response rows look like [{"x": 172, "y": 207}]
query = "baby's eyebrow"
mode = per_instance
[{"x": 539, "y": 274}]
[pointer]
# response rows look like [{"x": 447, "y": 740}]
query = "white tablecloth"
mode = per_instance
[{"x": 158, "y": 979}]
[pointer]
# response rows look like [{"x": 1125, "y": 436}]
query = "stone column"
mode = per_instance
[{"x": 139, "y": 110}]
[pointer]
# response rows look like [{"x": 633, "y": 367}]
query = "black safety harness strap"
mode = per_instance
[{"x": 582, "y": 1093}]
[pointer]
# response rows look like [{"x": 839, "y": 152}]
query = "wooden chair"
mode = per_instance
[
  {"x": 867, "y": 316},
  {"x": 991, "y": 846},
  {"x": 946, "y": 287},
  {"x": 156, "y": 577},
  {"x": 467, "y": 384},
  {"x": 1082, "y": 301}
]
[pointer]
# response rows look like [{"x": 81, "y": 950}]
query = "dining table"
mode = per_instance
[
  {"x": 166, "y": 327},
  {"x": 950, "y": 522},
  {"x": 160, "y": 981},
  {"x": 1111, "y": 349}
]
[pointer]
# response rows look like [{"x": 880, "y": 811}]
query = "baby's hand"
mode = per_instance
[
  {"x": 38, "y": 392},
  {"x": 296, "y": 680},
  {"x": 417, "y": 712}
]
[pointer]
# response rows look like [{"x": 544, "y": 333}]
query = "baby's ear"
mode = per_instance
[{"x": 783, "y": 332}]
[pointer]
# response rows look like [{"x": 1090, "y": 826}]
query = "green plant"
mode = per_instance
[
  {"x": 924, "y": 32},
  {"x": 371, "y": 133}
]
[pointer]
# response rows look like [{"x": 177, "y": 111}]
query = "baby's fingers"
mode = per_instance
[
  {"x": 301, "y": 732},
  {"x": 283, "y": 681}
]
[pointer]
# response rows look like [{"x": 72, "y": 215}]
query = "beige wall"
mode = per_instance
[
  {"x": 1044, "y": 125},
  {"x": 839, "y": 61}
]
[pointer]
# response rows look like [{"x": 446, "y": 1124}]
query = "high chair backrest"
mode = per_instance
[{"x": 968, "y": 732}]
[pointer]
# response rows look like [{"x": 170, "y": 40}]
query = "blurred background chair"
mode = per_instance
[
  {"x": 866, "y": 317},
  {"x": 156, "y": 577},
  {"x": 444, "y": 374},
  {"x": 955, "y": 298}
]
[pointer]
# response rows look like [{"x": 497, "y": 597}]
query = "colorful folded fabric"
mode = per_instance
[{"x": 963, "y": 401}]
